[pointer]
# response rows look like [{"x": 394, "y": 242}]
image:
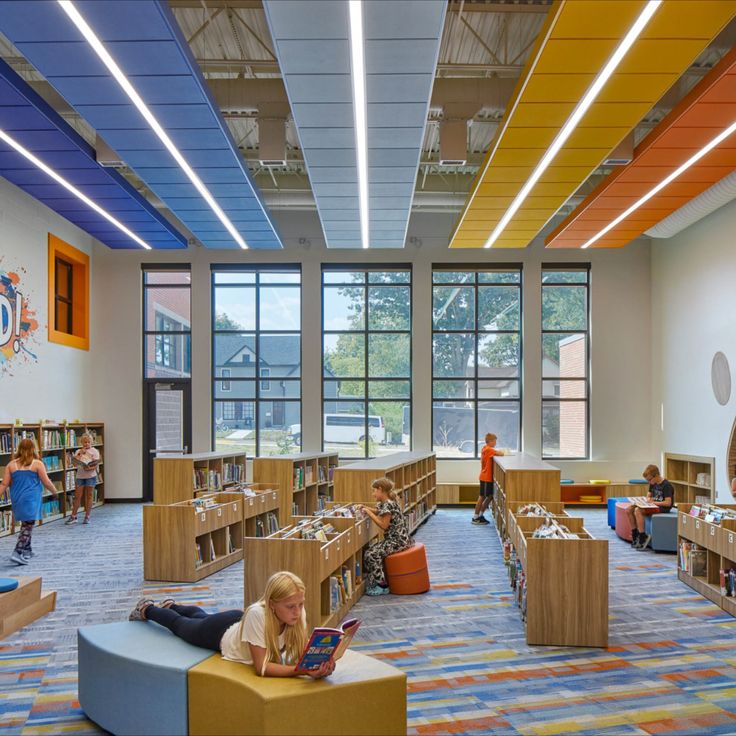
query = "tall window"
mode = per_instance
[
  {"x": 257, "y": 359},
  {"x": 366, "y": 360},
  {"x": 565, "y": 361},
  {"x": 167, "y": 323},
  {"x": 64, "y": 296},
  {"x": 476, "y": 359}
]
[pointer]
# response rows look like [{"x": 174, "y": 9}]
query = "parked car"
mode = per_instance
[{"x": 346, "y": 429}]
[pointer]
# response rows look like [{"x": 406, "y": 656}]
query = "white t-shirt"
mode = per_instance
[{"x": 234, "y": 645}]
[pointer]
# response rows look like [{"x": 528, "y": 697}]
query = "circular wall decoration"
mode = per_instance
[{"x": 720, "y": 376}]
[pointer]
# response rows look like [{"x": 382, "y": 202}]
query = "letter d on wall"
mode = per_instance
[{"x": 6, "y": 321}]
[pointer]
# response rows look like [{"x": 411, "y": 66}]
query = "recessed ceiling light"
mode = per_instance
[
  {"x": 576, "y": 116},
  {"x": 99, "y": 48},
  {"x": 357, "y": 56},
  {"x": 707, "y": 148},
  {"x": 70, "y": 187}
]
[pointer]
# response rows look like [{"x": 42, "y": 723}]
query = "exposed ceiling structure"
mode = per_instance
[{"x": 487, "y": 85}]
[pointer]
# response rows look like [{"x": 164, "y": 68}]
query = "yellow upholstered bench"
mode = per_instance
[{"x": 363, "y": 696}]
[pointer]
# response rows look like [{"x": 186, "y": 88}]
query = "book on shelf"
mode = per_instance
[
  {"x": 6, "y": 443},
  {"x": 693, "y": 559},
  {"x": 325, "y": 644},
  {"x": 331, "y": 472},
  {"x": 71, "y": 480},
  {"x": 52, "y": 462},
  {"x": 200, "y": 478},
  {"x": 272, "y": 522},
  {"x": 322, "y": 473},
  {"x": 52, "y": 439},
  {"x": 347, "y": 579},
  {"x": 294, "y": 509},
  {"x": 335, "y": 593},
  {"x": 298, "y": 478},
  {"x": 260, "y": 528},
  {"x": 213, "y": 556},
  {"x": 233, "y": 472},
  {"x": 728, "y": 582},
  {"x": 229, "y": 541},
  {"x": 197, "y": 555},
  {"x": 309, "y": 476}
]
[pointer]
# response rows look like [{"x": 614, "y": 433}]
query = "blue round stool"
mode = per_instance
[{"x": 8, "y": 584}]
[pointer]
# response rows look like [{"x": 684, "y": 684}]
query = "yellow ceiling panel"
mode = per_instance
[
  {"x": 577, "y": 39},
  {"x": 609, "y": 19},
  {"x": 561, "y": 87}
]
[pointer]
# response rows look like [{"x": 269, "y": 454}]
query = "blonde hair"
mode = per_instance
[
  {"x": 282, "y": 585},
  {"x": 491, "y": 436},
  {"x": 26, "y": 453},
  {"x": 387, "y": 486},
  {"x": 86, "y": 436},
  {"x": 651, "y": 471}
]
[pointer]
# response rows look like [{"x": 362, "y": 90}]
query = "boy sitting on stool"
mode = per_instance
[{"x": 661, "y": 494}]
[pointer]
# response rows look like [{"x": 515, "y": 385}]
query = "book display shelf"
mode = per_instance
[
  {"x": 179, "y": 477},
  {"x": 691, "y": 476},
  {"x": 561, "y": 585},
  {"x": 55, "y": 444},
  {"x": 414, "y": 476},
  {"x": 186, "y": 541},
  {"x": 331, "y": 569},
  {"x": 522, "y": 478},
  {"x": 457, "y": 494},
  {"x": 306, "y": 481},
  {"x": 261, "y": 503},
  {"x": 707, "y": 555}
]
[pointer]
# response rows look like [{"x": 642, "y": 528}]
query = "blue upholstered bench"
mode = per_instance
[
  {"x": 663, "y": 528},
  {"x": 133, "y": 677}
]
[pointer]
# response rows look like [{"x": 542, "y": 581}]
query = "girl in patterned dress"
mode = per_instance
[{"x": 390, "y": 518}]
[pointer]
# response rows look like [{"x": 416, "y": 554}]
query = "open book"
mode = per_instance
[
  {"x": 642, "y": 502},
  {"x": 84, "y": 464},
  {"x": 325, "y": 644}
]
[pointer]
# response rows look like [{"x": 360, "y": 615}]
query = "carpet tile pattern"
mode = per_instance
[{"x": 670, "y": 667}]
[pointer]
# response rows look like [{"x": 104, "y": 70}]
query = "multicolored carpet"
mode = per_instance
[{"x": 670, "y": 667}]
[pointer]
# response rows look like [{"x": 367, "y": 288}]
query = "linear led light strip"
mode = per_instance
[
  {"x": 359, "y": 110},
  {"x": 70, "y": 187},
  {"x": 577, "y": 114},
  {"x": 76, "y": 18},
  {"x": 707, "y": 148}
]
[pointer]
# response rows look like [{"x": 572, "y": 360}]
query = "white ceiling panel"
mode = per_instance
[{"x": 312, "y": 46}]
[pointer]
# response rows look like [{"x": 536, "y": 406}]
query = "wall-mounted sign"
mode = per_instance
[{"x": 18, "y": 323}]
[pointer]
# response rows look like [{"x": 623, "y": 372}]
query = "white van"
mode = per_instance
[{"x": 346, "y": 428}]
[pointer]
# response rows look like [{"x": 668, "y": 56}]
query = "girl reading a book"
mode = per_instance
[
  {"x": 26, "y": 477},
  {"x": 86, "y": 460},
  {"x": 270, "y": 635},
  {"x": 389, "y": 516}
]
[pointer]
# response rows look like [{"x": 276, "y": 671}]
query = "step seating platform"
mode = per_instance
[{"x": 23, "y": 605}]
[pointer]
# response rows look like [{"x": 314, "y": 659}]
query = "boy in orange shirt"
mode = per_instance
[{"x": 486, "y": 478}]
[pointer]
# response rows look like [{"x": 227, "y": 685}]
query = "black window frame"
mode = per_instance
[
  {"x": 367, "y": 269},
  {"x": 163, "y": 338},
  {"x": 60, "y": 262},
  {"x": 257, "y": 270},
  {"x": 562, "y": 268},
  {"x": 477, "y": 268}
]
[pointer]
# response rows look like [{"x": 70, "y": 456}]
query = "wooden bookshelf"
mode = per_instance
[
  {"x": 522, "y": 478},
  {"x": 684, "y": 471},
  {"x": 171, "y": 534},
  {"x": 180, "y": 477},
  {"x": 414, "y": 475},
  {"x": 314, "y": 562},
  {"x": 55, "y": 444},
  {"x": 257, "y": 508},
  {"x": 719, "y": 543},
  {"x": 566, "y": 583},
  {"x": 305, "y": 480},
  {"x": 457, "y": 494}
]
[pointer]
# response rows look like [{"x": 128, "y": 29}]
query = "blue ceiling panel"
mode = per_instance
[
  {"x": 401, "y": 46},
  {"x": 147, "y": 44},
  {"x": 26, "y": 118}
]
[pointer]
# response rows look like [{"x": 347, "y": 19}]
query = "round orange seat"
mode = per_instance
[{"x": 407, "y": 571}]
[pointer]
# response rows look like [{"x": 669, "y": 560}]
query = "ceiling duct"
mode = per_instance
[
  {"x": 704, "y": 204},
  {"x": 453, "y": 142},
  {"x": 271, "y": 141},
  {"x": 623, "y": 153},
  {"x": 106, "y": 156}
]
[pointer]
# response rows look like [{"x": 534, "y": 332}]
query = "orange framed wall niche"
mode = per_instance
[{"x": 79, "y": 262}]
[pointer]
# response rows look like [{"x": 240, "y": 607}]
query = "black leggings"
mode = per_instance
[{"x": 194, "y": 625}]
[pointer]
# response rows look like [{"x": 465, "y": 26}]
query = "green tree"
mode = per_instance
[{"x": 223, "y": 322}]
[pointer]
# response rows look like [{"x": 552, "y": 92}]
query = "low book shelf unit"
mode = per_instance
[
  {"x": 55, "y": 444},
  {"x": 322, "y": 565},
  {"x": 180, "y": 477},
  {"x": 306, "y": 481},
  {"x": 414, "y": 476},
  {"x": 706, "y": 556},
  {"x": 260, "y": 507},
  {"x": 691, "y": 476},
  {"x": 561, "y": 585},
  {"x": 522, "y": 478},
  {"x": 183, "y": 542}
]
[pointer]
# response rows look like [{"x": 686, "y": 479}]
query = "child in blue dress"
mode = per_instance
[{"x": 26, "y": 477}]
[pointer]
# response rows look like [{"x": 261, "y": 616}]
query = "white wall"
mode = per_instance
[
  {"x": 694, "y": 316},
  {"x": 621, "y": 336},
  {"x": 57, "y": 385}
]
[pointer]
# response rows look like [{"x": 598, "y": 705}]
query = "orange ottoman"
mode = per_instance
[{"x": 407, "y": 571}]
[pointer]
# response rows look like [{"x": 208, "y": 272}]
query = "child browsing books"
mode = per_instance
[
  {"x": 389, "y": 516},
  {"x": 270, "y": 635},
  {"x": 86, "y": 460},
  {"x": 661, "y": 498},
  {"x": 486, "y": 478},
  {"x": 26, "y": 477}
]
